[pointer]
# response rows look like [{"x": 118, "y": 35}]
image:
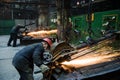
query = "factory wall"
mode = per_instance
[
  {"x": 5, "y": 26},
  {"x": 23, "y": 22}
]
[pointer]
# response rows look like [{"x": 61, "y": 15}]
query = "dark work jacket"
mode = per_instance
[
  {"x": 29, "y": 55},
  {"x": 16, "y": 29}
]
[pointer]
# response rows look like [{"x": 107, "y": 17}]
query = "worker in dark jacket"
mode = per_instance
[
  {"x": 13, "y": 35},
  {"x": 25, "y": 59}
]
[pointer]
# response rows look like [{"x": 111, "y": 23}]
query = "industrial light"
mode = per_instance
[
  {"x": 54, "y": 20},
  {"x": 78, "y": 3}
]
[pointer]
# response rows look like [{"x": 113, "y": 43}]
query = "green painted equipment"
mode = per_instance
[{"x": 101, "y": 23}]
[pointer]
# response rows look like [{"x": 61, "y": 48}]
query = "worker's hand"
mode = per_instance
[
  {"x": 47, "y": 57},
  {"x": 44, "y": 68}
]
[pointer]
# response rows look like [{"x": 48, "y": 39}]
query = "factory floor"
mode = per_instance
[{"x": 7, "y": 71}]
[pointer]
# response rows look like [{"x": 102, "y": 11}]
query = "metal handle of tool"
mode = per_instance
[
  {"x": 47, "y": 56},
  {"x": 37, "y": 72}
]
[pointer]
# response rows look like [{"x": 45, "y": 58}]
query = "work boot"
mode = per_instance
[
  {"x": 8, "y": 45},
  {"x": 14, "y": 45}
]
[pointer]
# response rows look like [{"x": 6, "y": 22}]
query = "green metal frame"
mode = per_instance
[{"x": 97, "y": 22}]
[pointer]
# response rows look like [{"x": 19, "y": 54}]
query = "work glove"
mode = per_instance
[
  {"x": 44, "y": 68},
  {"x": 47, "y": 57}
]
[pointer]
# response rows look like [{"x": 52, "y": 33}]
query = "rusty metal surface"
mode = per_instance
[
  {"x": 98, "y": 60},
  {"x": 86, "y": 72},
  {"x": 61, "y": 48},
  {"x": 91, "y": 71}
]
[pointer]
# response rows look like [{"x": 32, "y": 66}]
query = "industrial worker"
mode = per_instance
[
  {"x": 14, "y": 35},
  {"x": 25, "y": 59}
]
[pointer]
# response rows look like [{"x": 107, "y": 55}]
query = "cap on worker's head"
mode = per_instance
[{"x": 49, "y": 41}]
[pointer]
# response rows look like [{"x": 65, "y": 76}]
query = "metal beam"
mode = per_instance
[{"x": 29, "y": 3}]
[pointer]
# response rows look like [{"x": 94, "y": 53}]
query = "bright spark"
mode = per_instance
[
  {"x": 77, "y": 63},
  {"x": 42, "y": 33}
]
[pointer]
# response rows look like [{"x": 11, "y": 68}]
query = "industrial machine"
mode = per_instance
[
  {"x": 84, "y": 61},
  {"x": 102, "y": 22}
]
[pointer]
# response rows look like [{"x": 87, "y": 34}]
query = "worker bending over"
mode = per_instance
[
  {"x": 14, "y": 35},
  {"x": 25, "y": 59}
]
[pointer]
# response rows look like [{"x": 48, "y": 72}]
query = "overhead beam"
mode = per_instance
[{"x": 29, "y": 3}]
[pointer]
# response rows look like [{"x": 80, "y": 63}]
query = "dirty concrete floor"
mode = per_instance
[{"x": 7, "y": 71}]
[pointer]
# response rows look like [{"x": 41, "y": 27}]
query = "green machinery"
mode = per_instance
[
  {"x": 101, "y": 22},
  {"x": 5, "y": 26}
]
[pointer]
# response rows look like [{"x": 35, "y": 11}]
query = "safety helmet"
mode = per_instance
[{"x": 49, "y": 41}]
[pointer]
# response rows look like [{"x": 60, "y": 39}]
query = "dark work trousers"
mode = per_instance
[
  {"x": 13, "y": 37},
  {"x": 26, "y": 74}
]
